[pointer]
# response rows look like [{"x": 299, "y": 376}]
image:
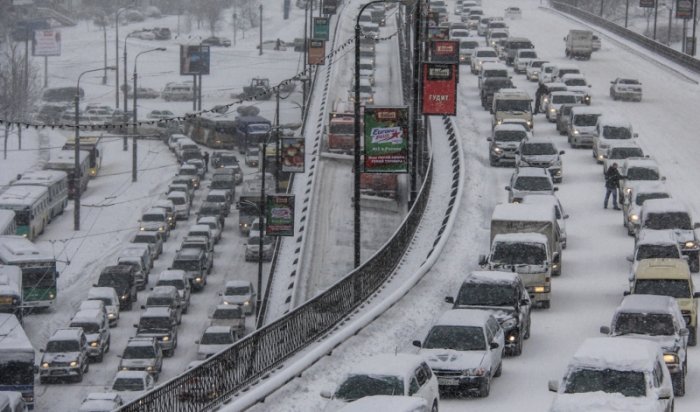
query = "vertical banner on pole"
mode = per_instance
[
  {"x": 279, "y": 219},
  {"x": 440, "y": 89},
  {"x": 649, "y": 4},
  {"x": 329, "y": 7},
  {"x": 684, "y": 9},
  {"x": 316, "y": 55},
  {"x": 292, "y": 154},
  {"x": 386, "y": 139},
  {"x": 321, "y": 28}
]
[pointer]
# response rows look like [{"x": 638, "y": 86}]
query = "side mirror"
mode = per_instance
[
  {"x": 589, "y": 86},
  {"x": 612, "y": 82},
  {"x": 663, "y": 178},
  {"x": 664, "y": 393},
  {"x": 326, "y": 394},
  {"x": 561, "y": 152},
  {"x": 626, "y": 293},
  {"x": 605, "y": 330},
  {"x": 696, "y": 295},
  {"x": 629, "y": 258},
  {"x": 143, "y": 307},
  {"x": 494, "y": 345},
  {"x": 482, "y": 260},
  {"x": 566, "y": 216},
  {"x": 553, "y": 385},
  {"x": 555, "y": 189},
  {"x": 489, "y": 139},
  {"x": 449, "y": 299},
  {"x": 94, "y": 285},
  {"x": 684, "y": 332},
  {"x": 416, "y": 343},
  {"x": 136, "y": 326},
  {"x": 508, "y": 188}
]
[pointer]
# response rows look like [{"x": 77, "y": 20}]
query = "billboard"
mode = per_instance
[
  {"x": 330, "y": 6},
  {"x": 444, "y": 51},
  {"x": 649, "y": 4},
  {"x": 317, "y": 52},
  {"x": 292, "y": 154},
  {"x": 279, "y": 215},
  {"x": 684, "y": 9},
  {"x": 386, "y": 139},
  {"x": 440, "y": 89},
  {"x": 194, "y": 60},
  {"x": 46, "y": 43},
  {"x": 321, "y": 28}
]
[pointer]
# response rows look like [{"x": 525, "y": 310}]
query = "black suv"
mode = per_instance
[
  {"x": 123, "y": 279},
  {"x": 194, "y": 263},
  {"x": 490, "y": 87},
  {"x": 504, "y": 294}
]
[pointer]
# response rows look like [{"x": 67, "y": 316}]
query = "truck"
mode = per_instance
[
  {"x": 379, "y": 184},
  {"x": 16, "y": 359},
  {"x": 11, "y": 290},
  {"x": 511, "y": 104},
  {"x": 250, "y": 202},
  {"x": 579, "y": 44},
  {"x": 251, "y": 131},
  {"x": 341, "y": 128},
  {"x": 526, "y": 239}
]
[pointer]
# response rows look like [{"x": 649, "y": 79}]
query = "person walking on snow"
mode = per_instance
[
  {"x": 541, "y": 90},
  {"x": 612, "y": 179}
]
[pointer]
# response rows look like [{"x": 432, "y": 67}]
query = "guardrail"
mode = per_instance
[
  {"x": 257, "y": 355},
  {"x": 684, "y": 60}
]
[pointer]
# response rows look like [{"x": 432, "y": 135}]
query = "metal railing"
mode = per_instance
[{"x": 682, "y": 59}]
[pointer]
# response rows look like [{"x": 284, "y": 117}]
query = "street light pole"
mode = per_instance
[
  {"x": 134, "y": 156},
  {"x": 261, "y": 225},
  {"x": 76, "y": 153},
  {"x": 116, "y": 59}
]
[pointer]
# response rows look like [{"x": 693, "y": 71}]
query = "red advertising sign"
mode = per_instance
[
  {"x": 444, "y": 51},
  {"x": 684, "y": 9},
  {"x": 440, "y": 89},
  {"x": 316, "y": 54}
]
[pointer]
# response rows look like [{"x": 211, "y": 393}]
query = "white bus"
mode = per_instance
[
  {"x": 39, "y": 275},
  {"x": 55, "y": 181},
  {"x": 92, "y": 145},
  {"x": 31, "y": 206},
  {"x": 7, "y": 222},
  {"x": 65, "y": 160}
]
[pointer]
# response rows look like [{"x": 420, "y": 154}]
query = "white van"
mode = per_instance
[{"x": 178, "y": 91}]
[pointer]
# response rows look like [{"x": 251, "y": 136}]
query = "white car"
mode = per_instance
[
  {"x": 465, "y": 350},
  {"x": 530, "y": 180},
  {"x": 239, "y": 292},
  {"x": 459, "y": 34},
  {"x": 110, "y": 299},
  {"x": 172, "y": 140},
  {"x": 619, "y": 151},
  {"x": 132, "y": 384},
  {"x": 635, "y": 194},
  {"x": 610, "y": 129},
  {"x": 522, "y": 58},
  {"x": 181, "y": 202},
  {"x": 546, "y": 73},
  {"x": 398, "y": 374},
  {"x": 558, "y": 212},
  {"x": 626, "y": 89},
  {"x": 577, "y": 83},
  {"x": 638, "y": 170},
  {"x": 214, "y": 226},
  {"x": 387, "y": 403},
  {"x": 214, "y": 340},
  {"x": 101, "y": 402},
  {"x": 532, "y": 71},
  {"x": 620, "y": 374},
  {"x": 554, "y": 102},
  {"x": 482, "y": 55}
]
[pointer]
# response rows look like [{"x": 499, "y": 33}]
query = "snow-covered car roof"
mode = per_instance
[
  {"x": 656, "y": 237},
  {"x": 66, "y": 334},
  {"x": 141, "y": 341},
  {"x": 563, "y": 93},
  {"x": 647, "y": 186},
  {"x": 208, "y": 219},
  {"x": 131, "y": 375},
  {"x": 172, "y": 274},
  {"x": 565, "y": 66},
  {"x": 521, "y": 238},
  {"x": 199, "y": 228},
  {"x": 400, "y": 364},
  {"x": 531, "y": 171},
  {"x": 88, "y": 316},
  {"x": 541, "y": 199},
  {"x": 624, "y": 143},
  {"x": 511, "y": 127},
  {"x": 218, "y": 192},
  {"x": 491, "y": 276},
  {"x": 387, "y": 403},
  {"x": 156, "y": 312},
  {"x": 669, "y": 205},
  {"x": 569, "y": 76},
  {"x": 613, "y": 120},
  {"x": 664, "y": 268},
  {"x": 484, "y": 48},
  {"x": 236, "y": 283},
  {"x": 521, "y": 212},
  {"x": 97, "y": 292},
  {"x": 217, "y": 329},
  {"x": 649, "y": 304},
  {"x": 586, "y": 110},
  {"x": 162, "y": 290},
  {"x": 461, "y": 317},
  {"x": 645, "y": 162},
  {"x": 616, "y": 353},
  {"x": 493, "y": 66}
]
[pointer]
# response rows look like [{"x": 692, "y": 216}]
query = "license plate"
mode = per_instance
[
  {"x": 448, "y": 381},
  {"x": 58, "y": 372}
]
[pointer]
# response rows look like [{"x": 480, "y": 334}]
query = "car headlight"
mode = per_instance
[
  {"x": 162, "y": 228},
  {"x": 124, "y": 368},
  {"x": 497, "y": 150},
  {"x": 509, "y": 323},
  {"x": 689, "y": 244},
  {"x": 557, "y": 173},
  {"x": 149, "y": 368},
  {"x": 94, "y": 344},
  {"x": 634, "y": 218},
  {"x": 45, "y": 365},
  {"x": 166, "y": 338},
  {"x": 111, "y": 315},
  {"x": 529, "y": 122},
  {"x": 74, "y": 364},
  {"x": 124, "y": 297},
  {"x": 51, "y": 295},
  {"x": 198, "y": 279},
  {"x": 601, "y": 157},
  {"x": 539, "y": 289},
  {"x": 576, "y": 131},
  {"x": 628, "y": 190},
  {"x": 475, "y": 372},
  {"x": 246, "y": 303},
  {"x": 671, "y": 358},
  {"x": 546, "y": 100},
  {"x": 143, "y": 228}
]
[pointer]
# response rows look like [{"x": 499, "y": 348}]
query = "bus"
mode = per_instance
[
  {"x": 11, "y": 290},
  {"x": 55, "y": 181},
  {"x": 92, "y": 145},
  {"x": 39, "y": 275},
  {"x": 212, "y": 130},
  {"x": 31, "y": 207},
  {"x": 16, "y": 359},
  {"x": 64, "y": 160},
  {"x": 7, "y": 222}
]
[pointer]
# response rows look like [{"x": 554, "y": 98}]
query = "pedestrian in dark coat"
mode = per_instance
[
  {"x": 206, "y": 162},
  {"x": 541, "y": 90},
  {"x": 612, "y": 182}
]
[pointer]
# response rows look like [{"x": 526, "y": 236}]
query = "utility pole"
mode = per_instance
[
  {"x": 656, "y": 13},
  {"x": 261, "y": 30}
]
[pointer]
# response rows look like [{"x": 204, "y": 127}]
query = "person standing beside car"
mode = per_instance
[
  {"x": 612, "y": 179},
  {"x": 541, "y": 90}
]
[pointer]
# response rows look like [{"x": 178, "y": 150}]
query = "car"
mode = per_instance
[
  {"x": 466, "y": 49},
  {"x": 143, "y": 93},
  {"x": 541, "y": 153},
  {"x": 142, "y": 354},
  {"x": 252, "y": 249},
  {"x": 668, "y": 277},
  {"x": 653, "y": 244},
  {"x": 239, "y": 292},
  {"x": 558, "y": 212},
  {"x": 224, "y": 197},
  {"x": 522, "y": 59},
  {"x": 252, "y": 155},
  {"x": 532, "y": 70},
  {"x": 65, "y": 356},
  {"x": 387, "y": 403},
  {"x": 214, "y": 226},
  {"x": 194, "y": 262},
  {"x": 123, "y": 279},
  {"x": 215, "y": 339},
  {"x": 92, "y": 304},
  {"x": 161, "y": 114},
  {"x": 182, "y": 184},
  {"x": 131, "y": 385},
  {"x": 634, "y": 199},
  {"x": 159, "y": 322},
  {"x": 610, "y": 129},
  {"x": 550, "y": 88},
  {"x": 96, "y": 328},
  {"x": 199, "y": 243},
  {"x": 222, "y": 159},
  {"x": 513, "y": 12},
  {"x": 141, "y": 271},
  {"x": 144, "y": 35},
  {"x": 213, "y": 210},
  {"x": 101, "y": 402},
  {"x": 582, "y": 125},
  {"x": 504, "y": 295},
  {"x": 400, "y": 374},
  {"x": 489, "y": 87},
  {"x": 165, "y": 296},
  {"x": 458, "y": 34},
  {"x": 182, "y": 203},
  {"x": 554, "y": 102},
  {"x": 504, "y": 142},
  {"x": 595, "y": 44},
  {"x": 482, "y": 55},
  {"x": 153, "y": 239},
  {"x": 546, "y": 73},
  {"x": 464, "y": 348},
  {"x": 658, "y": 319},
  {"x": 108, "y": 296},
  {"x": 529, "y": 180},
  {"x": 228, "y": 315},
  {"x": 155, "y": 219},
  {"x": 636, "y": 171},
  {"x": 619, "y": 151},
  {"x": 200, "y": 165},
  {"x": 178, "y": 279},
  {"x": 578, "y": 84},
  {"x": 495, "y": 36},
  {"x": 626, "y": 89},
  {"x": 203, "y": 230},
  {"x": 624, "y": 374},
  {"x": 173, "y": 139},
  {"x": 216, "y": 41},
  {"x": 192, "y": 172},
  {"x": 563, "y": 117}
]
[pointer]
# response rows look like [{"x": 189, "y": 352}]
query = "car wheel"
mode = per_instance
[
  {"x": 527, "y": 331},
  {"x": 99, "y": 358},
  {"x": 499, "y": 370},
  {"x": 485, "y": 388},
  {"x": 678, "y": 381},
  {"x": 693, "y": 336},
  {"x": 545, "y": 304},
  {"x": 516, "y": 351}
]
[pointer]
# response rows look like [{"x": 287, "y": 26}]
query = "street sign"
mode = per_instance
[
  {"x": 46, "y": 43},
  {"x": 444, "y": 51},
  {"x": 279, "y": 215},
  {"x": 684, "y": 9},
  {"x": 440, "y": 89},
  {"x": 321, "y": 28},
  {"x": 647, "y": 3},
  {"x": 386, "y": 139},
  {"x": 292, "y": 154},
  {"x": 329, "y": 7},
  {"x": 317, "y": 52},
  {"x": 194, "y": 60}
]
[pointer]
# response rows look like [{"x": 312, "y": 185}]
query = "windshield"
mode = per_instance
[
  {"x": 186, "y": 265},
  {"x": 153, "y": 218},
  {"x": 88, "y": 327},
  {"x": 113, "y": 280},
  {"x": 563, "y": 98},
  {"x": 641, "y": 198},
  {"x": 229, "y": 160},
  {"x": 519, "y": 253},
  {"x": 365, "y": 88},
  {"x": 139, "y": 352},
  {"x": 128, "y": 384},
  {"x": 178, "y": 200},
  {"x": 486, "y": 53},
  {"x": 153, "y": 323},
  {"x": 533, "y": 183},
  {"x": 586, "y": 119},
  {"x": 485, "y": 294},
  {"x": 187, "y": 171},
  {"x": 57, "y": 346},
  {"x": 158, "y": 301},
  {"x": 341, "y": 128},
  {"x": 40, "y": 277},
  {"x": 675, "y": 288},
  {"x": 628, "y": 81},
  {"x": 510, "y": 135},
  {"x": 495, "y": 73},
  {"x": 360, "y": 386},
  {"x": 513, "y": 105},
  {"x": 216, "y": 339},
  {"x": 461, "y": 338},
  {"x": 536, "y": 64},
  {"x": 367, "y": 66},
  {"x": 575, "y": 82},
  {"x": 668, "y": 220},
  {"x": 468, "y": 45},
  {"x": 616, "y": 132},
  {"x": 527, "y": 55},
  {"x": 625, "y": 152},
  {"x": 497, "y": 84},
  {"x": 531, "y": 149},
  {"x": 627, "y": 383},
  {"x": 179, "y": 284},
  {"x": 657, "y": 251},
  {"x": 237, "y": 290},
  {"x": 234, "y": 313},
  {"x": 644, "y": 173},
  {"x": 653, "y": 324}
]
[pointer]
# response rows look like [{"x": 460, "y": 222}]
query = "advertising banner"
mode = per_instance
[
  {"x": 292, "y": 154},
  {"x": 649, "y": 4},
  {"x": 329, "y": 6},
  {"x": 433, "y": 19},
  {"x": 279, "y": 215},
  {"x": 386, "y": 139},
  {"x": 321, "y": 28},
  {"x": 46, "y": 43},
  {"x": 438, "y": 33},
  {"x": 194, "y": 60},
  {"x": 684, "y": 9},
  {"x": 440, "y": 89},
  {"x": 444, "y": 51},
  {"x": 317, "y": 53}
]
